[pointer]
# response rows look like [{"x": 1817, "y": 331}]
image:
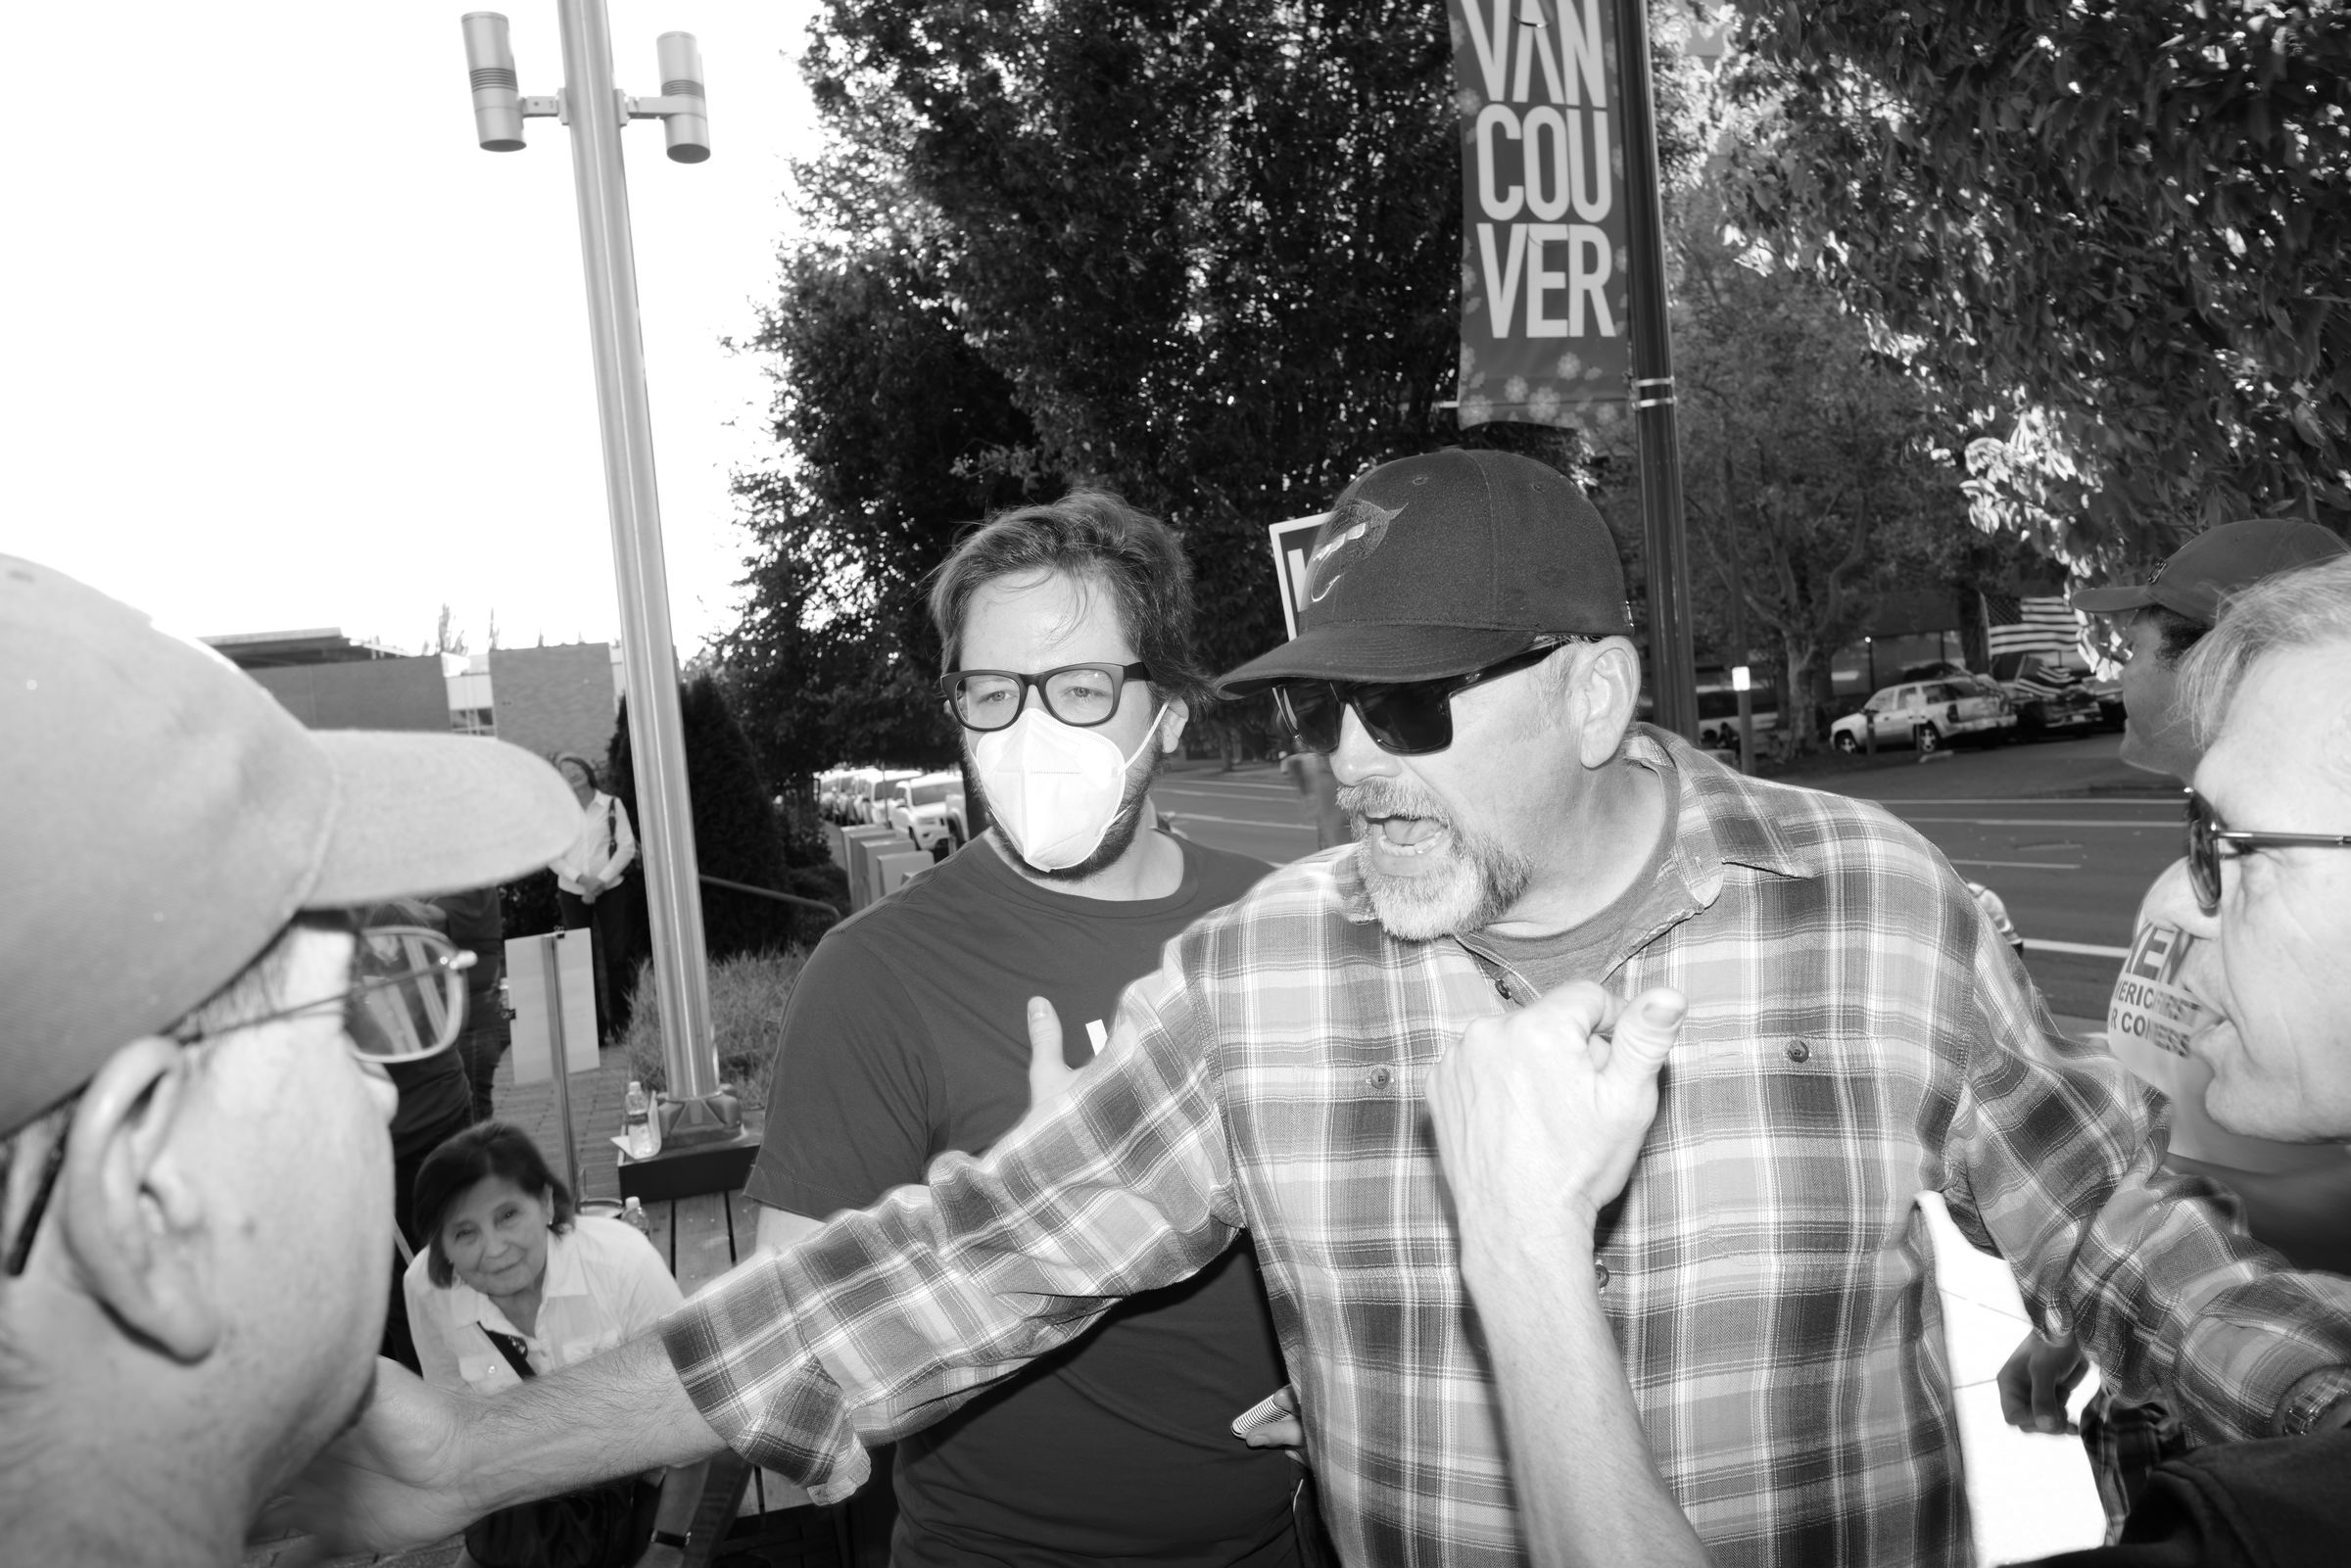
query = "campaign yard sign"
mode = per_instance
[
  {"x": 1292, "y": 542},
  {"x": 1546, "y": 323}
]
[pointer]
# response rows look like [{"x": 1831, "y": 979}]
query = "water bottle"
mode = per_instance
[
  {"x": 634, "y": 1216},
  {"x": 637, "y": 1123}
]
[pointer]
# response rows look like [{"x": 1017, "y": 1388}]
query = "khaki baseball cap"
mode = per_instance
[{"x": 161, "y": 819}]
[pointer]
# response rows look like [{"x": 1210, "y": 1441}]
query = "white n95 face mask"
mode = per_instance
[{"x": 1055, "y": 789}]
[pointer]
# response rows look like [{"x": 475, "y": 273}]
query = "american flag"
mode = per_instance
[{"x": 2030, "y": 625}]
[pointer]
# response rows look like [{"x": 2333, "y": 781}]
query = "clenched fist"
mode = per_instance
[{"x": 1539, "y": 1113}]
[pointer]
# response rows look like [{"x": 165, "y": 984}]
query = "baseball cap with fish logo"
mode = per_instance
[
  {"x": 1366, "y": 524},
  {"x": 1442, "y": 564}
]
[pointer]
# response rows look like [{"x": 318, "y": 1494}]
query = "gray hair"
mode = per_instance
[{"x": 2306, "y": 607}]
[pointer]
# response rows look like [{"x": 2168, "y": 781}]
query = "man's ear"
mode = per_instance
[
  {"x": 134, "y": 1226},
  {"x": 1172, "y": 723},
  {"x": 1610, "y": 684}
]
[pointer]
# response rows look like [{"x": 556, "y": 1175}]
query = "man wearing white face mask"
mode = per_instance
[{"x": 1066, "y": 631}]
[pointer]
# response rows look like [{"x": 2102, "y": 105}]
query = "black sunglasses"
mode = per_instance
[
  {"x": 1405, "y": 718},
  {"x": 2206, "y": 834}
]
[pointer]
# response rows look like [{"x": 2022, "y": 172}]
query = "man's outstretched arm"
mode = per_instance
[{"x": 422, "y": 1463}]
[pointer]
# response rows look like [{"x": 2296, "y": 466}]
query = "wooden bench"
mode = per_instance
[{"x": 746, "y": 1514}]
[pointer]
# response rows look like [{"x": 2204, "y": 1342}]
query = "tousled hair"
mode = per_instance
[
  {"x": 2309, "y": 607},
  {"x": 1097, "y": 540},
  {"x": 484, "y": 1150}
]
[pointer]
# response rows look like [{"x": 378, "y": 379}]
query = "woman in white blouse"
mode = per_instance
[{"x": 514, "y": 1283}]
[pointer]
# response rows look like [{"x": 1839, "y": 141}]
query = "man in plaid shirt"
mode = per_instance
[{"x": 1854, "y": 1033}]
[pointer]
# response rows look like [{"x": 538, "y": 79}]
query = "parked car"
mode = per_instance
[
  {"x": 1932, "y": 712},
  {"x": 2108, "y": 694},
  {"x": 873, "y": 803},
  {"x": 2049, "y": 692},
  {"x": 831, "y": 794},
  {"x": 930, "y": 811}
]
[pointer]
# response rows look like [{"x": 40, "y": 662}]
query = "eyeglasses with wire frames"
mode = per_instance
[
  {"x": 1080, "y": 696},
  {"x": 2206, "y": 834},
  {"x": 405, "y": 1002},
  {"x": 1403, "y": 718}
]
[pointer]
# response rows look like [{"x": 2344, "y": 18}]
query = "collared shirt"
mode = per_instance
[
  {"x": 603, "y": 848},
  {"x": 604, "y": 1284},
  {"x": 1857, "y": 1034}
]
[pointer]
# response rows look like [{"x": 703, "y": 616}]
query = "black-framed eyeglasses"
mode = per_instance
[
  {"x": 1080, "y": 696},
  {"x": 2206, "y": 834},
  {"x": 406, "y": 1001},
  {"x": 1404, "y": 718}
]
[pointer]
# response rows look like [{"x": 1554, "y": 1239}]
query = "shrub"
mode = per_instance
[
  {"x": 747, "y": 994},
  {"x": 736, "y": 834}
]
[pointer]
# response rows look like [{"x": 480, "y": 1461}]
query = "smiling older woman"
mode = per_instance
[{"x": 514, "y": 1283}]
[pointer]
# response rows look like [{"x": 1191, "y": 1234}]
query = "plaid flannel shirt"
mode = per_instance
[{"x": 1857, "y": 1034}]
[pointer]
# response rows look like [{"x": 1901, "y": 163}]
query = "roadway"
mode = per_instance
[{"x": 2062, "y": 831}]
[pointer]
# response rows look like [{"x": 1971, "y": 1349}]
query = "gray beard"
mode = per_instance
[{"x": 1480, "y": 882}]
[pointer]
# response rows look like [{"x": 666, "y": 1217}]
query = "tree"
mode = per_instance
[
  {"x": 883, "y": 412},
  {"x": 1814, "y": 472},
  {"x": 1207, "y": 252},
  {"x": 446, "y": 636},
  {"x": 2116, "y": 233},
  {"x": 735, "y": 833},
  {"x": 1200, "y": 252}
]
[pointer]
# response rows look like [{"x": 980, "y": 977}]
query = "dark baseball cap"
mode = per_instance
[
  {"x": 1442, "y": 564},
  {"x": 2220, "y": 561},
  {"x": 161, "y": 819}
]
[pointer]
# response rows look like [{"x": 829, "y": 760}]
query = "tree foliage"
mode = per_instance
[
  {"x": 1814, "y": 474},
  {"x": 734, "y": 832},
  {"x": 883, "y": 412},
  {"x": 1201, "y": 253},
  {"x": 2117, "y": 234}
]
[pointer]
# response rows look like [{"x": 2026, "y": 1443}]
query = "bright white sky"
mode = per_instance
[{"x": 284, "y": 347}]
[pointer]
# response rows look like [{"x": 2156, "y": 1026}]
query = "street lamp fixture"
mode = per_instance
[{"x": 701, "y": 1117}]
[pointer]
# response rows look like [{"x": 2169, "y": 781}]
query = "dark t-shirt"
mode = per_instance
[
  {"x": 906, "y": 1036},
  {"x": 2284, "y": 1502}
]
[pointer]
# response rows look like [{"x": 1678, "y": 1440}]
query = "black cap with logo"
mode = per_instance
[{"x": 1442, "y": 564}]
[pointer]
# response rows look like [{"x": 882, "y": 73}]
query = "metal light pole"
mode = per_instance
[
  {"x": 595, "y": 111},
  {"x": 1672, "y": 665}
]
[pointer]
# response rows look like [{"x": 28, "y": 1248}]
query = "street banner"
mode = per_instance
[
  {"x": 1292, "y": 541},
  {"x": 1546, "y": 321}
]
